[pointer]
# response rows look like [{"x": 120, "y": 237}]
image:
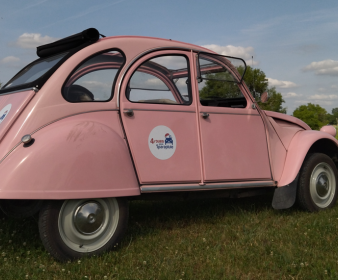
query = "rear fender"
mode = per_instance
[
  {"x": 83, "y": 156},
  {"x": 302, "y": 143}
]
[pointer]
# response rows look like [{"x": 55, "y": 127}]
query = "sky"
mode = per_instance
[{"x": 295, "y": 43}]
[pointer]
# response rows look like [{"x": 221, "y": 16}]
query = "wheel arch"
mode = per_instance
[
  {"x": 327, "y": 147},
  {"x": 302, "y": 144}
]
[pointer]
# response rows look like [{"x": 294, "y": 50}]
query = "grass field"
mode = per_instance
[{"x": 198, "y": 239}]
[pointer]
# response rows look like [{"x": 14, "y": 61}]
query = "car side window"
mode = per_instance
[
  {"x": 217, "y": 86},
  {"x": 161, "y": 80},
  {"x": 93, "y": 79}
]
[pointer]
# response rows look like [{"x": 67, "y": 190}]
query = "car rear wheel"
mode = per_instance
[
  {"x": 317, "y": 186},
  {"x": 72, "y": 229}
]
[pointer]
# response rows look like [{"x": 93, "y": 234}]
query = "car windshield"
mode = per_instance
[{"x": 34, "y": 71}]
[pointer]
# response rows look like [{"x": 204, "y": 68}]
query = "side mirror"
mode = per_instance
[{"x": 264, "y": 97}]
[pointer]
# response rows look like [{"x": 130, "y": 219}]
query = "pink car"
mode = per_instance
[{"x": 94, "y": 122}]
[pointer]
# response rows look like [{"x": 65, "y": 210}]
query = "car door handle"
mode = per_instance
[
  {"x": 205, "y": 115},
  {"x": 128, "y": 112}
]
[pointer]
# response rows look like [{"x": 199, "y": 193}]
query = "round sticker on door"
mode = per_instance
[
  {"x": 162, "y": 142},
  {"x": 4, "y": 112}
]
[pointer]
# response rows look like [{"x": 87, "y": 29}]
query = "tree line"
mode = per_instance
[{"x": 312, "y": 114}]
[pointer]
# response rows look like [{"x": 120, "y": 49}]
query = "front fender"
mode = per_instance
[
  {"x": 297, "y": 151},
  {"x": 77, "y": 157}
]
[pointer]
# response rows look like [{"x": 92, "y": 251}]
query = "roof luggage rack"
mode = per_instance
[{"x": 85, "y": 38}]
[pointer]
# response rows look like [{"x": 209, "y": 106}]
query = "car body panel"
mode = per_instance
[
  {"x": 285, "y": 131},
  {"x": 275, "y": 147},
  {"x": 184, "y": 164},
  {"x": 233, "y": 140},
  {"x": 15, "y": 102},
  {"x": 287, "y": 118},
  {"x": 277, "y": 151},
  {"x": 234, "y": 145},
  {"x": 82, "y": 156}
]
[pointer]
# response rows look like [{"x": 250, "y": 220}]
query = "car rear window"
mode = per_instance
[
  {"x": 93, "y": 79},
  {"x": 34, "y": 71}
]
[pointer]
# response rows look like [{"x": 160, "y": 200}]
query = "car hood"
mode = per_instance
[{"x": 287, "y": 118}]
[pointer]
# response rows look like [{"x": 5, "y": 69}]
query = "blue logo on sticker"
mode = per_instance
[{"x": 168, "y": 139}]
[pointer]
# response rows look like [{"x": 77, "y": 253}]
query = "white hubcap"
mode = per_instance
[
  {"x": 87, "y": 225},
  {"x": 322, "y": 185}
]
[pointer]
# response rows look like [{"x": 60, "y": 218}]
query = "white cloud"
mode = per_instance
[
  {"x": 32, "y": 40},
  {"x": 292, "y": 95},
  {"x": 324, "y": 67},
  {"x": 154, "y": 81},
  {"x": 334, "y": 86},
  {"x": 10, "y": 60},
  {"x": 96, "y": 85},
  {"x": 331, "y": 72},
  {"x": 281, "y": 84},
  {"x": 171, "y": 62},
  {"x": 139, "y": 82},
  {"x": 322, "y": 89},
  {"x": 324, "y": 97},
  {"x": 181, "y": 82},
  {"x": 229, "y": 50}
]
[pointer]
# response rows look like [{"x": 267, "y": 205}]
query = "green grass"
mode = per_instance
[{"x": 200, "y": 239}]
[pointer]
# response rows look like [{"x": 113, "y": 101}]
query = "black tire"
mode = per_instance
[
  {"x": 317, "y": 185},
  {"x": 2, "y": 214},
  {"x": 71, "y": 229},
  {"x": 19, "y": 209}
]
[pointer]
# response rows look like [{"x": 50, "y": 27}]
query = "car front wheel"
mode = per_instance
[
  {"x": 317, "y": 186},
  {"x": 72, "y": 229}
]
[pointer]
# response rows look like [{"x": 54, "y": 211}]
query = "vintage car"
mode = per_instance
[{"x": 96, "y": 122}]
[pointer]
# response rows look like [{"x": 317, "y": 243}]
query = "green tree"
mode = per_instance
[
  {"x": 219, "y": 85},
  {"x": 333, "y": 118},
  {"x": 216, "y": 87},
  {"x": 256, "y": 81},
  {"x": 314, "y": 115},
  {"x": 274, "y": 102}
]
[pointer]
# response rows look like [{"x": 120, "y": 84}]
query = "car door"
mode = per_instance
[
  {"x": 159, "y": 117},
  {"x": 233, "y": 137}
]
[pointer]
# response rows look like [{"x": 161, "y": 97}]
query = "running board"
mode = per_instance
[{"x": 208, "y": 186}]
